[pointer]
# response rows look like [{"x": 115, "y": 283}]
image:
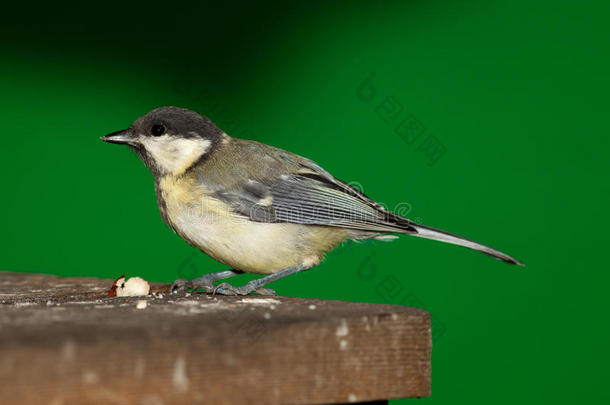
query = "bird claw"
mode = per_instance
[
  {"x": 181, "y": 286},
  {"x": 228, "y": 289}
]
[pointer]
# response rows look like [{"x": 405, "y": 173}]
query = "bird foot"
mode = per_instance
[
  {"x": 228, "y": 289},
  {"x": 205, "y": 282},
  {"x": 182, "y": 286}
]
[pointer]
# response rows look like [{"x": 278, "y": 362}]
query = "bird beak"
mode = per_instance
[{"x": 124, "y": 137}]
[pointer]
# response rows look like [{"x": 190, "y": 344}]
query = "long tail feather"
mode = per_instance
[{"x": 440, "y": 235}]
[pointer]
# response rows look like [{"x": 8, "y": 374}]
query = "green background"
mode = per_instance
[{"x": 517, "y": 93}]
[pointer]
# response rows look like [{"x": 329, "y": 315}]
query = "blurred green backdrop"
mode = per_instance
[{"x": 514, "y": 93}]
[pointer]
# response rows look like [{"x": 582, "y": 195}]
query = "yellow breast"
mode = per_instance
[{"x": 255, "y": 247}]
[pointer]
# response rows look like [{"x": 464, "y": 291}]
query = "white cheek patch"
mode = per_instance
[{"x": 173, "y": 154}]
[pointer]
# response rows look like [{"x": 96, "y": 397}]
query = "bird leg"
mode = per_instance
[
  {"x": 205, "y": 282},
  {"x": 256, "y": 285}
]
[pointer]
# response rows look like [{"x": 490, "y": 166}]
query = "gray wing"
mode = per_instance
[
  {"x": 292, "y": 189},
  {"x": 310, "y": 195}
]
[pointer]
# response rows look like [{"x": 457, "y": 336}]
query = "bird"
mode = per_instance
[{"x": 254, "y": 207}]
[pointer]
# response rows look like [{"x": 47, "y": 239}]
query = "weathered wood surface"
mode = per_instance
[{"x": 63, "y": 342}]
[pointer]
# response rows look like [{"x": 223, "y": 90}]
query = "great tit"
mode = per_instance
[{"x": 254, "y": 207}]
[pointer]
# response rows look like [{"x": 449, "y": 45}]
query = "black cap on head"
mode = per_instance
[
  {"x": 174, "y": 121},
  {"x": 170, "y": 121}
]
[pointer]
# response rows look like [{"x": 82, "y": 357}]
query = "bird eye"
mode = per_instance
[{"x": 157, "y": 130}]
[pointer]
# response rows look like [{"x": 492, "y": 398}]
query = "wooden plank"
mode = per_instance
[{"x": 63, "y": 342}]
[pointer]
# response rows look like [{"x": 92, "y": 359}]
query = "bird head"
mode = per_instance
[{"x": 169, "y": 139}]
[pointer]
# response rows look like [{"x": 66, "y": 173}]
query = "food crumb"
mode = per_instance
[{"x": 133, "y": 287}]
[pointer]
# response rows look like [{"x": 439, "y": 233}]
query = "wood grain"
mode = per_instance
[{"x": 63, "y": 342}]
